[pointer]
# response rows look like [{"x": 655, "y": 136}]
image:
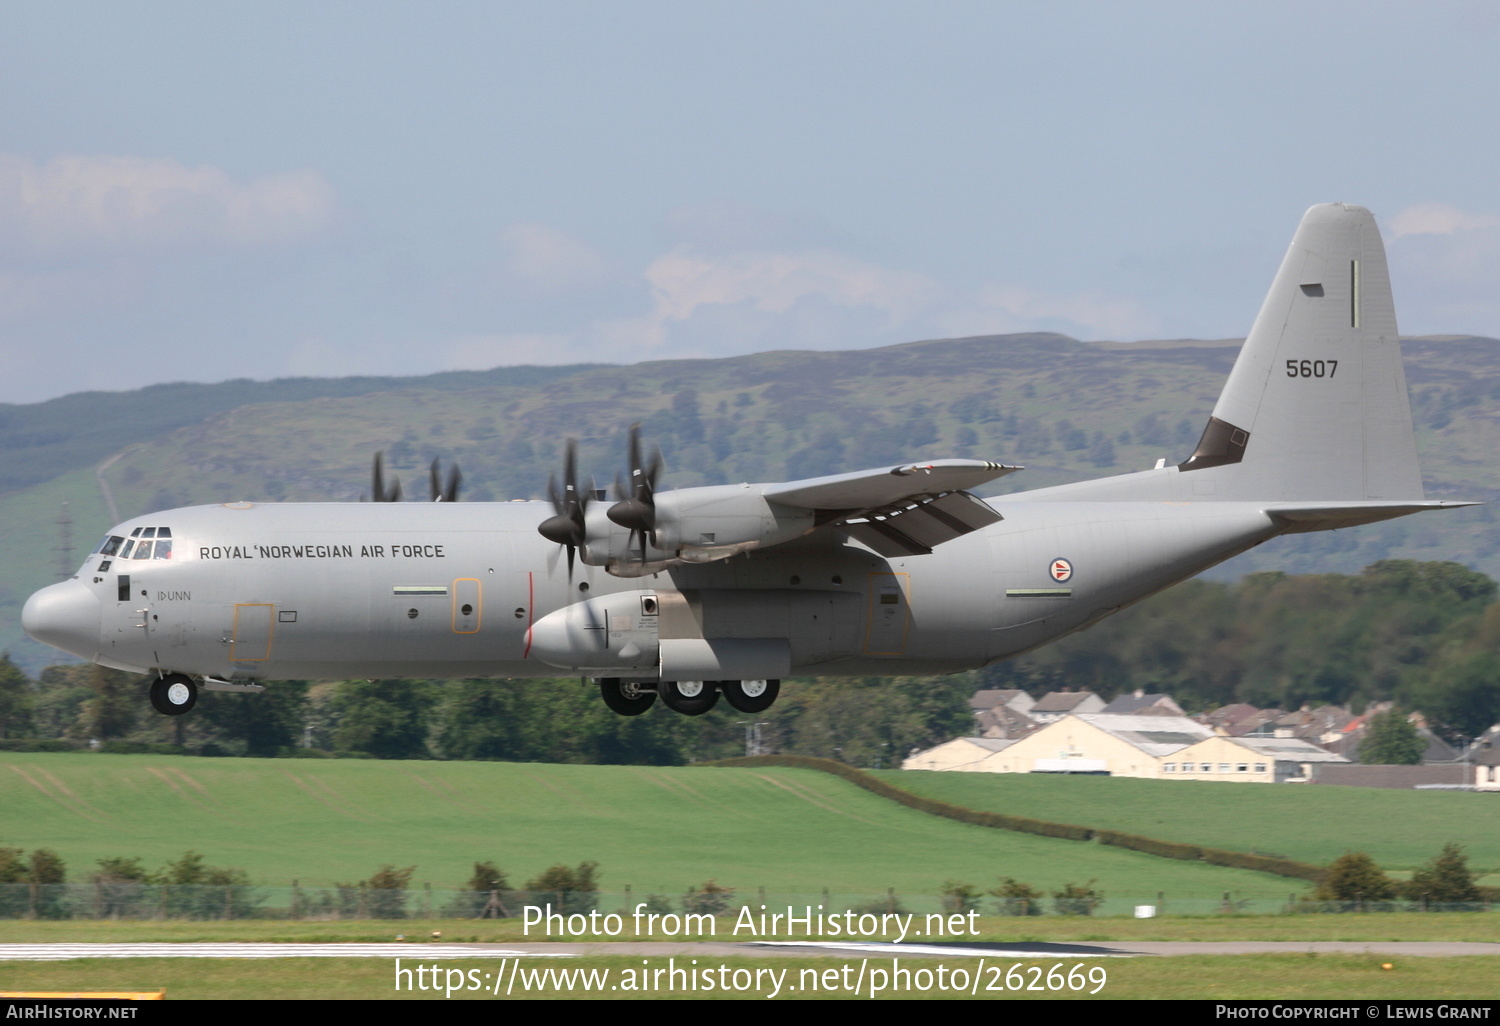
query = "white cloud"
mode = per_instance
[
  {"x": 1438, "y": 219},
  {"x": 683, "y": 281},
  {"x": 1445, "y": 268},
  {"x": 87, "y": 205},
  {"x": 546, "y": 262}
]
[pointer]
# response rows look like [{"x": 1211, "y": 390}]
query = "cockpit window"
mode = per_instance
[{"x": 143, "y": 543}]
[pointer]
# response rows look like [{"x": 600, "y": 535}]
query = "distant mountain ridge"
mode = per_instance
[{"x": 1066, "y": 410}]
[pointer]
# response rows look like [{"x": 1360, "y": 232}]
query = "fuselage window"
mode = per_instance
[{"x": 111, "y": 545}]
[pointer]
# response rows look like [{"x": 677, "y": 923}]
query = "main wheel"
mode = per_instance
[
  {"x": 173, "y": 694},
  {"x": 689, "y": 697},
  {"x": 750, "y": 696},
  {"x": 627, "y": 699}
]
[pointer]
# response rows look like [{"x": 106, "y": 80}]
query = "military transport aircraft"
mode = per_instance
[{"x": 691, "y": 594}]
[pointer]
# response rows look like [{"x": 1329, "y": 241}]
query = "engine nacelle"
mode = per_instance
[
  {"x": 609, "y": 633},
  {"x": 694, "y": 525}
]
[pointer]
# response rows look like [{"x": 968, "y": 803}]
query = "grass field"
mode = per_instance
[
  {"x": 1245, "y": 977},
  {"x": 1398, "y": 926},
  {"x": 793, "y": 832},
  {"x": 1398, "y": 829}
]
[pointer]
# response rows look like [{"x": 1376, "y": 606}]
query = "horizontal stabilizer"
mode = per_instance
[
  {"x": 870, "y": 489},
  {"x": 1330, "y": 516}
]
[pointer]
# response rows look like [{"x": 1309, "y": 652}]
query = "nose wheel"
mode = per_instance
[{"x": 174, "y": 694}]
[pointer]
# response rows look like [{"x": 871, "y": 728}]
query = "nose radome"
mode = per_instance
[{"x": 65, "y": 616}]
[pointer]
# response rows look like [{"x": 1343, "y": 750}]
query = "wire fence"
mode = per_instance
[{"x": 576, "y": 912}]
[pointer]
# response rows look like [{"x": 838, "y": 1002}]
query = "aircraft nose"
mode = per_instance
[{"x": 65, "y": 616}]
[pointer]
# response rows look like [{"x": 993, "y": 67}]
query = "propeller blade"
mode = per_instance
[
  {"x": 377, "y": 482},
  {"x": 567, "y": 526},
  {"x": 438, "y": 489},
  {"x": 636, "y": 509}
]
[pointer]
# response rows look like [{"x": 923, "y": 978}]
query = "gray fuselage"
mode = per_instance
[{"x": 334, "y": 591}]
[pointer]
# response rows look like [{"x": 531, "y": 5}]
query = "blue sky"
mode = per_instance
[{"x": 210, "y": 190}]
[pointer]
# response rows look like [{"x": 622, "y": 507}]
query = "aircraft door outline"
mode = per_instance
[
  {"x": 253, "y": 632},
  {"x": 468, "y": 605}
]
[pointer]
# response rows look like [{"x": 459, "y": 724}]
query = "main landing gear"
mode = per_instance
[
  {"x": 689, "y": 697},
  {"x": 174, "y": 694}
]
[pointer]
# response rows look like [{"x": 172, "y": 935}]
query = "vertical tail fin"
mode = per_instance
[{"x": 1316, "y": 405}]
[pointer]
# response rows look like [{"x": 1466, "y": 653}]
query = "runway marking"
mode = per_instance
[{"x": 59, "y": 952}]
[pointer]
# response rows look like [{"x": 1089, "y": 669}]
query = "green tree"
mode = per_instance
[
  {"x": 1462, "y": 696},
  {"x": 263, "y": 723},
  {"x": 1391, "y": 740},
  {"x": 1018, "y": 899},
  {"x": 959, "y": 896},
  {"x": 15, "y": 699},
  {"x": 115, "y": 707},
  {"x": 47, "y": 867},
  {"x": 1077, "y": 899},
  {"x": 573, "y": 890},
  {"x": 1446, "y": 879},
  {"x": 1354, "y": 876},
  {"x": 487, "y": 895},
  {"x": 384, "y": 718},
  {"x": 57, "y": 703}
]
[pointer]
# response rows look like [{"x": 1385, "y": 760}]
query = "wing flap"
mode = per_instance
[{"x": 915, "y": 529}]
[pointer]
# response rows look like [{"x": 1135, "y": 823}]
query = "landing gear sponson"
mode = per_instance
[{"x": 689, "y": 697}]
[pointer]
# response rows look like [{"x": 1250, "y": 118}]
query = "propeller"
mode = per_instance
[
  {"x": 377, "y": 483},
  {"x": 567, "y": 526},
  {"x": 636, "y": 509},
  {"x": 444, "y": 491}
]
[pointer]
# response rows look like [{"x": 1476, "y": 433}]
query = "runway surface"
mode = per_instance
[{"x": 1032, "y": 950}]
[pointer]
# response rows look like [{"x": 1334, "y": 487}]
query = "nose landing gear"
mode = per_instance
[{"x": 173, "y": 694}]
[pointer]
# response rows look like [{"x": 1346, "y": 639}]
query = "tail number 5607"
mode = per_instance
[{"x": 1311, "y": 368}]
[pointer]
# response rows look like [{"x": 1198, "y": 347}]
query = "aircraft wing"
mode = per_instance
[
  {"x": 867, "y": 489},
  {"x": 898, "y": 511}
]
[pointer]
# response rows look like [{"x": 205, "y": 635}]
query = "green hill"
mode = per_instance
[{"x": 1067, "y": 410}]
